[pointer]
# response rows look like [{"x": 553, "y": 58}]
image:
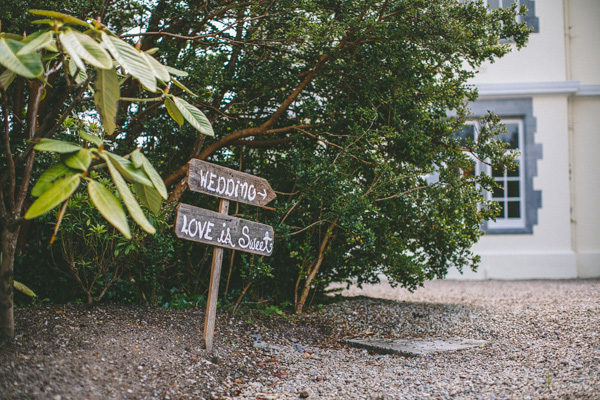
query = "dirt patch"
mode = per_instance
[{"x": 64, "y": 352}]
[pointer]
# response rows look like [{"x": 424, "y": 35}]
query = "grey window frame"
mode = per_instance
[{"x": 518, "y": 108}]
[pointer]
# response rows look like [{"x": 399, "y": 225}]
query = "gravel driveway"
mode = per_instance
[{"x": 543, "y": 343}]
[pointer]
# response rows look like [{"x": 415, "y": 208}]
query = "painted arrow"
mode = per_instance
[{"x": 228, "y": 183}]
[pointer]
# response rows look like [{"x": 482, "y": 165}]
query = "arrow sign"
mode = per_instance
[
  {"x": 228, "y": 184},
  {"x": 205, "y": 226}
]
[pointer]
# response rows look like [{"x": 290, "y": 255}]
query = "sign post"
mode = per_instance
[{"x": 218, "y": 228}]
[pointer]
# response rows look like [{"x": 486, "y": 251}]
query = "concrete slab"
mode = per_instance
[{"x": 414, "y": 347}]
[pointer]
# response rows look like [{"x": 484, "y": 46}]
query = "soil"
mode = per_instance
[{"x": 78, "y": 352}]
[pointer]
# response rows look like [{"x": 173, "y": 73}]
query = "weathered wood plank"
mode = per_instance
[
  {"x": 228, "y": 184},
  {"x": 205, "y": 226},
  {"x": 213, "y": 289}
]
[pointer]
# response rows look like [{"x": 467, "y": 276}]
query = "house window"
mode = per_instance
[
  {"x": 516, "y": 196},
  {"x": 510, "y": 192},
  {"x": 530, "y": 18}
]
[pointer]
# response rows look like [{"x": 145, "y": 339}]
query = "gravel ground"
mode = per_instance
[{"x": 543, "y": 343}]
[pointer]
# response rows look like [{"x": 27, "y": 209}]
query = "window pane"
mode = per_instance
[
  {"x": 493, "y": 4},
  {"x": 497, "y": 172},
  {"x": 498, "y": 191},
  {"x": 511, "y": 136},
  {"x": 512, "y": 188},
  {"x": 502, "y": 214},
  {"x": 466, "y": 133},
  {"x": 514, "y": 209},
  {"x": 513, "y": 172}
]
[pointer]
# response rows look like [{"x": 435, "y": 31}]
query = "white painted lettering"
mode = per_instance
[
  {"x": 208, "y": 230},
  {"x": 244, "y": 243},
  {"x": 203, "y": 178},
  {"x": 211, "y": 182},
  {"x": 193, "y": 221},
  {"x": 251, "y": 193},
  {"x": 220, "y": 189},
  {"x": 243, "y": 190},
  {"x": 227, "y": 191},
  {"x": 184, "y": 228}
]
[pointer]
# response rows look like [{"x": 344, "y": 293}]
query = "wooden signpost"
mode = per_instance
[{"x": 218, "y": 228}]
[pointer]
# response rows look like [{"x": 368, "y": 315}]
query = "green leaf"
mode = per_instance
[
  {"x": 64, "y": 18},
  {"x": 183, "y": 87},
  {"x": 173, "y": 110},
  {"x": 107, "y": 98},
  {"x": 194, "y": 116},
  {"x": 132, "y": 205},
  {"x": 27, "y": 65},
  {"x": 80, "y": 160},
  {"x": 6, "y": 78},
  {"x": 23, "y": 289},
  {"x": 137, "y": 158},
  {"x": 158, "y": 69},
  {"x": 133, "y": 60},
  {"x": 60, "y": 190},
  {"x": 48, "y": 177},
  {"x": 37, "y": 43},
  {"x": 176, "y": 72},
  {"x": 57, "y": 146},
  {"x": 149, "y": 197},
  {"x": 109, "y": 206},
  {"x": 90, "y": 138},
  {"x": 155, "y": 178},
  {"x": 128, "y": 170},
  {"x": 80, "y": 46},
  {"x": 79, "y": 74}
]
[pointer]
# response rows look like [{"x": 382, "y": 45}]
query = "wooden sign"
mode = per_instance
[
  {"x": 218, "y": 228},
  {"x": 222, "y": 230},
  {"x": 228, "y": 184}
]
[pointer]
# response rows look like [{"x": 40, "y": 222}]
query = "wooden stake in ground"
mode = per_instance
[
  {"x": 221, "y": 230},
  {"x": 213, "y": 291}
]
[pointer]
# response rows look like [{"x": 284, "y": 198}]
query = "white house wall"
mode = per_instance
[{"x": 559, "y": 71}]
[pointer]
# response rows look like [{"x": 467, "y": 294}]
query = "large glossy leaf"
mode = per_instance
[
  {"x": 149, "y": 197},
  {"x": 137, "y": 158},
  {"x": 80, "y": 160},
  {"x": 6, "y": 78},
  {"x": 90, "y": 138},
  {"x": 155, "y": 178},
  {"x": 23, "y": 289},
  {"x": 158, "y": 69},
  {"x": 133, "y": 60},
  {"x": 183, "y": 87},
  {"x": 60, "y": 190},
  {"x": 176, "y": 72},
  {"x": 109, "y": 206},
  {"x": 81, "y": 46},
  {"x": 132, "y": 205},
  {"x": 40, "y": 41},
  {"x": 48, "y": 177},
  {"x": 57, "y": 146},
  {"x": 194, "y": 116},
  {"x": 79, "y": 74},
  {"x": 173, "y": 111},
  {"x": 128, "y": 170},
  {"x": 107, "y": 98},
  {"x": 64, "y": 18},
  {"x": 27, "y": 65}
]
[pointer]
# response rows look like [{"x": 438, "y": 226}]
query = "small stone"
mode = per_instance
[
  {"x": 304, "y": 394},
  {"x": 299, "y": 348}
]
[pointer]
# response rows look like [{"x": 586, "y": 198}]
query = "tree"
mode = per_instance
[
  {"x": 63, "y": 56},
  {"x": 348, "y": 108}
]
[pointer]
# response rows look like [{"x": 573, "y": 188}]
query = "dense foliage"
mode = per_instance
[{"x": 348, "y": 108}]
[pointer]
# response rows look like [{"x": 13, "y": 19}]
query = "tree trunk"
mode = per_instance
[
  {"x": 314, "y": 268},
  {"x": 7, "y": 320}
]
